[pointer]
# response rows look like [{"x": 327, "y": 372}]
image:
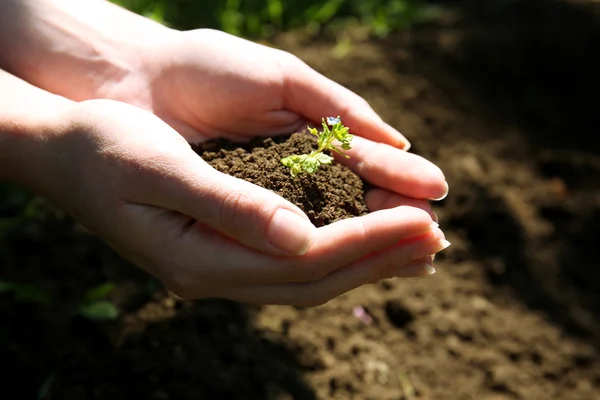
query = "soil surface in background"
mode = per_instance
[{"x": 505, "y": 101}]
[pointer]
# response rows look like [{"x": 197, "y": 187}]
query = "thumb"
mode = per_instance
[
  {"x": 240, "y": 210},
  {"x": 312, "y": 95}
]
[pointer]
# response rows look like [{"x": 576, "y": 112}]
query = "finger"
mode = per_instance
[
  {"x": 381, "y": 199},
  {"x": 246, "y": 213},
  {"x": 311, "y": 94},
  {"x": 416, "y": 268},
  {"x": 421, "y": 266},
  {"x": 167, "y": 173},
  {"x": 383, "y": 265},
  {"x": 398, "y": 171},
  {"x": 201, "y": 255},
  {"x": 422, "y": 260}
]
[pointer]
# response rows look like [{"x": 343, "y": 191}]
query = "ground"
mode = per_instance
[{"x": 506, "y": 103}]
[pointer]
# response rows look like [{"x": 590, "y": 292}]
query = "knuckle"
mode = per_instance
[
  {"x": 233, "y": 206},
  {"x": 362, "y": 230},
  {"x": 362, "y": 103},
  {"x": 288, "y": 59},
  {"x": 360, "y": 234},
  {"x": 368, "y": 164}
]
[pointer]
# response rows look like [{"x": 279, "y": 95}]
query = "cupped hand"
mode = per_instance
[
  {"x": 135, "y": 182},
  {"x": 209, "y": 84}
]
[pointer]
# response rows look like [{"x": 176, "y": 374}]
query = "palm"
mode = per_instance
[{"x": 229, "y": 88}]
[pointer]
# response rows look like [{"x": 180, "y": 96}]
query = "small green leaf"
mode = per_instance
[
  {"x": 310, "y": 165},
  {"x": 99, "y": 292},
  {"x": 341, "y": 133},
  {"x": 99, "y": 311},
  {"x": 286, "y": 161},
  {"x": 340, "y": 152},
  {"x": 295, "y": 170},
  {"x": 44, "y": 390},
  {"x": 323, "y": 158},
  {"x": 25, "y": 293}
]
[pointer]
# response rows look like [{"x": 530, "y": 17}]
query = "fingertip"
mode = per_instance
[
  {"x": 380, "y": 199},
  {"x": 398, "y": 139},
  {"x": 414, "y": 271},
  {"x": 446, "y": 190},
  {"x": 434, "y": 182},
  {"x": 414, "y": 220},
  {"x": 370, "y": 126},
  {"x": 417, "y": 214},
  {"x": 290, "y": 232}
]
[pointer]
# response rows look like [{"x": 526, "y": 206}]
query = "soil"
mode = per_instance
[
  {"x": 503, "y": 97},
  {"x": 332, "y": 193}
]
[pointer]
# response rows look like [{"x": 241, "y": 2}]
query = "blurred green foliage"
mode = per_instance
[
  {"x": 25, "y": 293},
  {"x": 262, "y": 18},
  {"x": 94, "y": 305}
]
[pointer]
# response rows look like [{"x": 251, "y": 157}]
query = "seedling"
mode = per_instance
[{"x": 310, "y": 163}]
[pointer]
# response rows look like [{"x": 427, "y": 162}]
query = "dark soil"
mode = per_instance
[
  {"x": 503, "y": 96},
  {"x": 332, "y": 193}
]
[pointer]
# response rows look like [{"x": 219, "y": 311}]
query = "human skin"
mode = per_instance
[{"x": 112, "y": 103}]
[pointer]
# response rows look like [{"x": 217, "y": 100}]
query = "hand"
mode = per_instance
[
  {"x": 135, "y": 182},
  {"x": 203, "y": 83},
  {"x": 209, "y": 84}
]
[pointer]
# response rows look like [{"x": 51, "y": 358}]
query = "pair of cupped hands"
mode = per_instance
[{"x": 123, "y": 167}]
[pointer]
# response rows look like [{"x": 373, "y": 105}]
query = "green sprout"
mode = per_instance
[{"x": 310, "y": 163}]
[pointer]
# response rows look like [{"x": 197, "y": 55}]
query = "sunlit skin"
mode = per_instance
[{"x": 103, "y": 129}]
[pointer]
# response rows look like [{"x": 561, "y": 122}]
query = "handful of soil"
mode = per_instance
[{"x": 332, "y": 193}]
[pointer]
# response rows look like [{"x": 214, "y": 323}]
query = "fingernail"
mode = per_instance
[
  {"x": 407, "y": 145},
  {"x": 443, "y": 244},
  {"x": 291, "y": 232},
  {"x": 435, "y": 218},
  {"x": 445, "y": 193},
  {"x": 431, "y": 249},
  {"x": 414, "y": 270}
]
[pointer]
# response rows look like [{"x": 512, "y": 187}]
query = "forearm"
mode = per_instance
[
  {"x": 74, "y": 48},
  {"x": 29, "y": 119}
]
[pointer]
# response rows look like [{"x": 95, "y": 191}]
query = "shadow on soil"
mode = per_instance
[
  {"x": 199, "y": 350},
  {"x": 534, "y": 65}
]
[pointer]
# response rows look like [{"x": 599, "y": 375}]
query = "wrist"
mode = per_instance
[
  {"x": 29, "y": 121},
  {"x": 79, "y": 50}
]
